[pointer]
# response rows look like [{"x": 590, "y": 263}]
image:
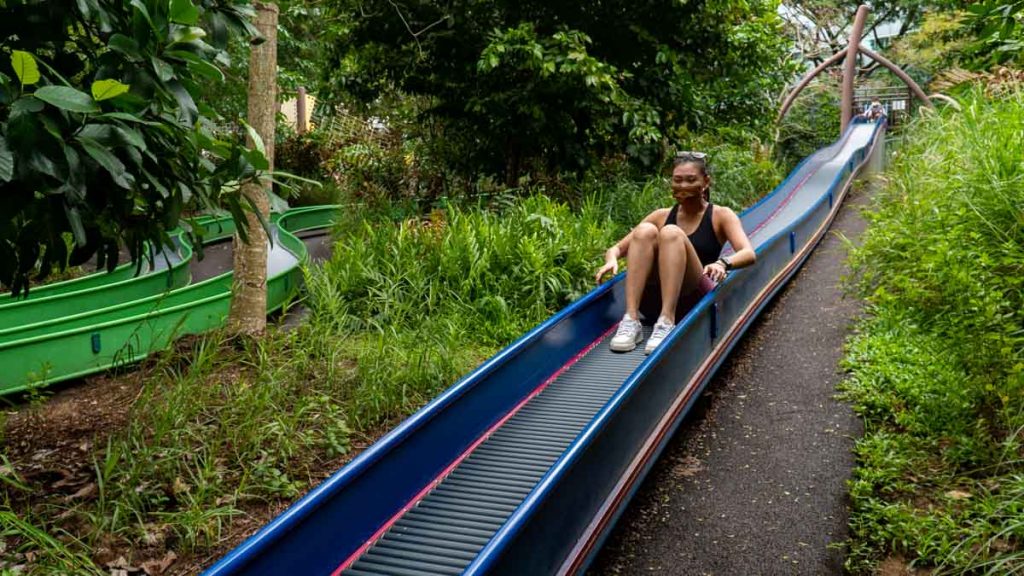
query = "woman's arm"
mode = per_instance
[{"x": 744, "y": 253}]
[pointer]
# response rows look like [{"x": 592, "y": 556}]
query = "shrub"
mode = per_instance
[{"x": 939, "y": 363}]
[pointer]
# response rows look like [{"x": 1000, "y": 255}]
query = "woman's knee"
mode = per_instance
[
  {"x": 672, "y": 233},
  {"x": 646, "y": 232}
]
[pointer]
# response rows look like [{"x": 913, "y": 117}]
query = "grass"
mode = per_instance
[
  {"x": 937, "y": 367},
  {"x": 404, "y": 308}
]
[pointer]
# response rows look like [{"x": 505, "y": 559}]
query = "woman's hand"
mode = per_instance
[
  {"x": 715, "y": 271},
  {"x": 610, "y": 264}
]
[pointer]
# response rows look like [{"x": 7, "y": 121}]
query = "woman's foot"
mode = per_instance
[
  {"x": 628, "y": 335},
  {"x": 662, "y": 328}
]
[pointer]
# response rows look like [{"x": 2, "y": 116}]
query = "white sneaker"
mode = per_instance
[
  {"x": 627, "y": 336},
  {"x": 662, "y": 328}
]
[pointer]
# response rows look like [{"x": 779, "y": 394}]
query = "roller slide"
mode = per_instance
[
  {"x": 523, "y": 466},
  {"x": 70, "y": 329}
]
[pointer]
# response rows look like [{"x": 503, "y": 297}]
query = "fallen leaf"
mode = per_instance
[
  {"x": 180, "y": 486},
  {"x": 156, "y": 567},
  {"x": 86, "y": 491},
  {"x": 67, "y": 479},
  {"x": 122, "y": 565},
  {"x": 689, "y": 467},
  {"x": 958, "y": 494},
  {"x": 154, "y": 534}
]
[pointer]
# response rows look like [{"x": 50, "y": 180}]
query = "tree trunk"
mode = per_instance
[{"x": 248, "y": 314}]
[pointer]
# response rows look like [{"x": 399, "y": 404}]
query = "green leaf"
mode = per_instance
[
  {"x": 67, "y": 98},
  {"x": 108, "y": 161},
  {"x": 164, "y": 71},
  {"x": 187, "y": 111},
  {"x": 190, "y": 36},
  {"x": 25, "y": 67},
  {"x": 255, "y": 138},
  {"x": 27, "y": 104},
  {"x": 128, "y": 118},
  {"x": 6, "y": 161},
  {"x": 75, "y": 220},
  {"x": 141, "y": 7},
  {"x": 184, "y": 12},
  {"x": 132, "y": 137},
  {"x": 197, "y": 65},
  {"x": 125, "y": 45},
  {"x": 103, "y": 134},
  {"x": 107, "y": 89}
]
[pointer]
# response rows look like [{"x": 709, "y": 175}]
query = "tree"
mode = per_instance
[
  {"x": 248, "y": 312},
  {"x": 554, "y": 85},
  {"x": 102, "y": 141},
  {"x": 300, "y": 51},
  {"x": 820, "y": 28}
]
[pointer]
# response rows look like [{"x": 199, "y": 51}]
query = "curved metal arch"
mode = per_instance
[
  {"x": 807, "y": 80},
  {"x": 898, "y": 72},
  {"x": 850, "y": 54}
]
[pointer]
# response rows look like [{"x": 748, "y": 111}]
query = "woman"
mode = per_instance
[{"x": 685, "y": 242}]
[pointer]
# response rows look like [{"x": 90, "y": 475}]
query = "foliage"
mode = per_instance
[
  {"x": 937, "y": 44},
  {"x": 937, "y": 369},
  {"x": 543, "y": 87},
  {"x": 978, "y": 35},
  {"x": 300, "y": 34},
  {"x": 361, "y": 164},
  {"x": 998, "y": 26},
  {"x": 494, "y": 274},
  {"x": 306, "y": 155},
  {"x": 101, "y": 135},
  {"x": 811, "y": 123}
]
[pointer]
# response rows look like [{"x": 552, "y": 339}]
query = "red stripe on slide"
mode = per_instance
[{"x": 433, "y": 483}]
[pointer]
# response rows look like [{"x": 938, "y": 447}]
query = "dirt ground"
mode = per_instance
[{"x": 50, "y": 443}]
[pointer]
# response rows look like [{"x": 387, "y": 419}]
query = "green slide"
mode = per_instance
[{"x": 86, "y": 325}]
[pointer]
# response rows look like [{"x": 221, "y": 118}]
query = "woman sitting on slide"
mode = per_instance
[{"x": 682, "y": 246}]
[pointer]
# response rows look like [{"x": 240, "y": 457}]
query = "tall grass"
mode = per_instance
[
  {"x": 425, "y": 300},
  {"x": 937, "y": 369}
]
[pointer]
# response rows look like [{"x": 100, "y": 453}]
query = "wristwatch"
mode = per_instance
[{"x": 726, "y": 262}]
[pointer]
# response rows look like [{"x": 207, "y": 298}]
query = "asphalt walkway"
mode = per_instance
[{"x": 754, "y": 482}]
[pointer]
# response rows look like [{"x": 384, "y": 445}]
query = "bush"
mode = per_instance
[{"x": 939, "y": 363}]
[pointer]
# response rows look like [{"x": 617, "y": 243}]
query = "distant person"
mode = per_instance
[
  {"x": 875, "y": 111},
  {"x": 682, "y": 245}
]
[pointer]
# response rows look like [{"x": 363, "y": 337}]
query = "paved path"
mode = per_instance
[{"x": 754, "y": 481}]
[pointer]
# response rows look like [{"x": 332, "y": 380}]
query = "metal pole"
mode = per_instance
[{"x": 850, "y": 67}]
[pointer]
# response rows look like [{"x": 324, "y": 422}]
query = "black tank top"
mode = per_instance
[{"x": 703, "y": 238}]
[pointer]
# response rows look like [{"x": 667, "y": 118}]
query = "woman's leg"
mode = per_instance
[
  {"x": 639, "y": 261},
  {"x": 678, "y": 266}
]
